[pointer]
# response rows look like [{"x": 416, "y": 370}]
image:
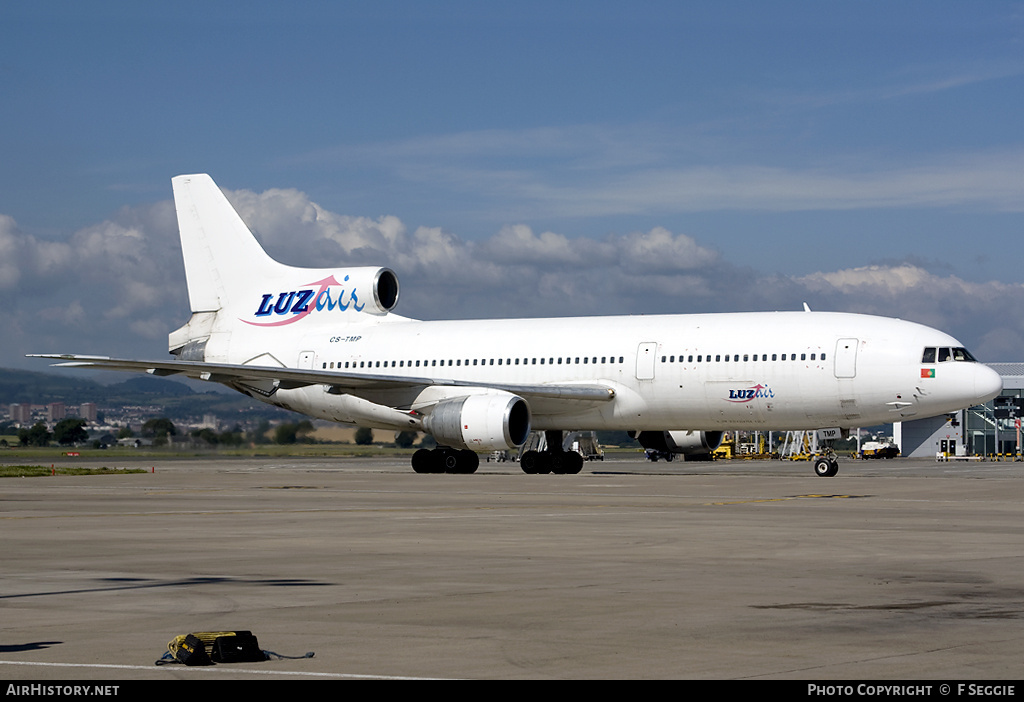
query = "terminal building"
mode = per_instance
[{"x": 983, "y": 430}]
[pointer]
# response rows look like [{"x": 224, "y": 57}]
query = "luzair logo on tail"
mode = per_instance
[{"x": 298, "y": 304}]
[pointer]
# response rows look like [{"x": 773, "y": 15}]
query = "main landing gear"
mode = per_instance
[
  {"x": 445, "y": 460},
  {"x": 553, "y": 459}
]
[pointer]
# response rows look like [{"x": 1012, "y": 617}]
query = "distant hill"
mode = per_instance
[
  {"x": 174, "y": 398},
  {"x": 148, "y": 385},
  {"x": 41, "y": 388}
]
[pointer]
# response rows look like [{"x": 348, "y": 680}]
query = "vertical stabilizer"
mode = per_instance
[
  {"x": 234, "y": 285},
  {"x": 220, "y": 252}
]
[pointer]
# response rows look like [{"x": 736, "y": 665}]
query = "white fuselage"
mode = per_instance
[{"x": 774, "y": 370}]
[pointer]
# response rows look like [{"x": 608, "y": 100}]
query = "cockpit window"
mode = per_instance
[{"x": 942, "y": 354}]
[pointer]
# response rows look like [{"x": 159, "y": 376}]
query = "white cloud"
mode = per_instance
[{"x": 984, "y": 312}]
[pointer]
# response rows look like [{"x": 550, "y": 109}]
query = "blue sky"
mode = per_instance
[{"x": 864, "y": 156}]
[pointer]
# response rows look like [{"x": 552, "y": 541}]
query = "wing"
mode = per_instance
[{"x": 269, "y": 379}]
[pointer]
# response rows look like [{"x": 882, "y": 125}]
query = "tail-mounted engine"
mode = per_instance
[{"x": 385, "y": 290}]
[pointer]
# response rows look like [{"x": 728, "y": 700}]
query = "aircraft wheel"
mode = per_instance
[
  {"x": 448, "y": 460},
  {"x": 573, "y": 463},
  {"x": 423, "y": 461},
  {"x": 825, "y": 468},
  {"x": 533, "y": 463},
  {"x": 468, "y": 461}
]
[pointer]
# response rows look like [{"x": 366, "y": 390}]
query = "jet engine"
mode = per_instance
[
  {"x": 688, "y": 443},
  {"x": 348, "y": 289},
  {"x": 385, "y": 289},
  {"x": 487, "y": 422}
]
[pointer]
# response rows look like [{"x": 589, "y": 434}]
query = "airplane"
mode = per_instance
[{"x": 325, "y": 342}]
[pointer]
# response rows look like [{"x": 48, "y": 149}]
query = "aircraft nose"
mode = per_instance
[{"x": 987, "y": 383}]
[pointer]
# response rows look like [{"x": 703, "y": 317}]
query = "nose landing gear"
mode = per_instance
[{"x": 826, "y": 465}]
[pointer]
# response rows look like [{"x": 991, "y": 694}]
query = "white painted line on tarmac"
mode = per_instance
[{"x": 214, "y": 669}]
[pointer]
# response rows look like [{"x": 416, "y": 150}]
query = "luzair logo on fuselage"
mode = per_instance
[
  {"x": 294, "y": 305},
  {"x": 750, "y": 394}
]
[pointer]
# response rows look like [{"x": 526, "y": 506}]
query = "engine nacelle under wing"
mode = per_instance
[
  {"x": 684, "y": 442},
  {"x": 486, "y": 422}
]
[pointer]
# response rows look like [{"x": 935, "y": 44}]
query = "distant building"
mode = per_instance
[
  {"x": 21, "y": 413},
  {"x": 55, "y": 411},
  {"x": 87, "y": 411}
]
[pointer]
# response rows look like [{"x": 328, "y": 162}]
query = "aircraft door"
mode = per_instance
[
  {"x": 645, "y": 355},
  {"x": 846, "y": 358},
  {"x": 306, "y": 359}
]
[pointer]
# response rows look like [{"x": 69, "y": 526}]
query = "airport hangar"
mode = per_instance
[{"x": 982, "y": 430}]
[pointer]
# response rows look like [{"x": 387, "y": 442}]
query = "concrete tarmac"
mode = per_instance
[{"x": 893, "y": 570}]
